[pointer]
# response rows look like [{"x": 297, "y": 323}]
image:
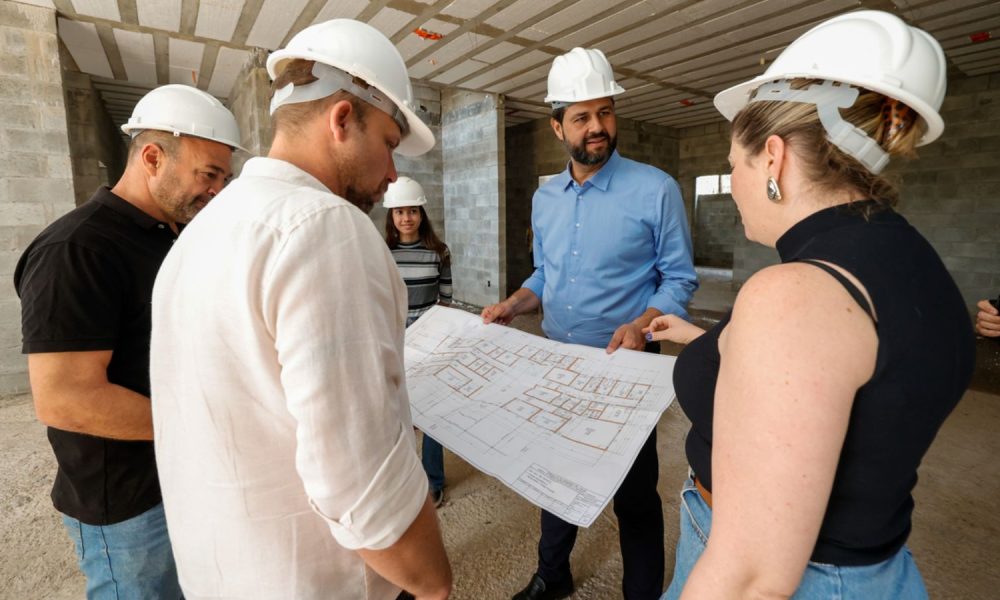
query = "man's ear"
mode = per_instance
[
  {"x": 152, "y": 157},
  {"x": 340, "y": 117},
  {"x": 557, "y": 127}
]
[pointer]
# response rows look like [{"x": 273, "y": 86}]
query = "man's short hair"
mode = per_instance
[
  {"x": 293, "y": 117},
  {"x": 169, "y": 143},
  {"x": 560, "y": 112}
]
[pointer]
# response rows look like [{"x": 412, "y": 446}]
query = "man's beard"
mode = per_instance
[
  {"x": 364, "y": 200},
  {"x": 174, "y": 202},
  {"x": 580, "y": 154}
]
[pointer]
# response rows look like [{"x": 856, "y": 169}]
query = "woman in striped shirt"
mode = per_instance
[{"x": 425, "y": 265}]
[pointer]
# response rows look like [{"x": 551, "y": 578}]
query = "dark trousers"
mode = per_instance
[
  {"x": 640, "y": 530},
  {"x": 640, "y": 527}
]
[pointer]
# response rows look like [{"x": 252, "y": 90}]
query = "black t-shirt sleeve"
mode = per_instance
[{"x": 71, "y": 299}]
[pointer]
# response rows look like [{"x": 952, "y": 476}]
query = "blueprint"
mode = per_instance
[{"x": 560, "y": 424}]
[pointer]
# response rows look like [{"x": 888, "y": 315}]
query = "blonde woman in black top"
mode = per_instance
[{"x": 814, "y": 401}]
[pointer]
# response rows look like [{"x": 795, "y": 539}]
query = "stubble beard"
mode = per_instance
[{"x": 174, "y": 202}]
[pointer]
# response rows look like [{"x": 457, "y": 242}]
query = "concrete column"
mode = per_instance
[
  {"x": 97, "y": 146},
  {"x": 250, "y": 101},
  {"x": 472, "y": 139},
  {"x": 36, "y": 181}
]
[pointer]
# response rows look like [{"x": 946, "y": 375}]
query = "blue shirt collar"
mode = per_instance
[{"x": 600, "y": 180}]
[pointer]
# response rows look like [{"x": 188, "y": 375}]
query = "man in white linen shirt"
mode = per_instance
[{"x": 282, "y": 424}]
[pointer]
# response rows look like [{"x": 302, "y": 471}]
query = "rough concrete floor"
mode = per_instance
[{"x": 490, "y": 532}]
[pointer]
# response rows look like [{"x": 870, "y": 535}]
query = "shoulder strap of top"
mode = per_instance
[{"x": 848, "y": 285}]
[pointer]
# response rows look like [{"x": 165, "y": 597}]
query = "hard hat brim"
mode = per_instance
[
  {"x": 604, "y": 94},
  {"x": 732, "y": 100},
  {"x": 128, "y": 129},
  {"x": 420, "y": 138}
]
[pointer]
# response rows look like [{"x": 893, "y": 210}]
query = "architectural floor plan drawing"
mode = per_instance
[{"x": 560, "y": 424}]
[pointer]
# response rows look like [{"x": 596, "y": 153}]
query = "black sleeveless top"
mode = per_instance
[{"x": 926, "y": 354}]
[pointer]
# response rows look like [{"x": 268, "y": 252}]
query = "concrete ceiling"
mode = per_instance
[{"x": 671, "y": 55}]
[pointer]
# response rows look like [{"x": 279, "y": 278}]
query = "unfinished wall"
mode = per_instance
[
  {"x": 96, "y": 146},
  {"x": 533, "y": 150},
  {"x": 719, "y": 230},
  {"x": 36, "y": 180},
  {"x": 472, "y": 145},
  {"x": 952, "y": 192}
]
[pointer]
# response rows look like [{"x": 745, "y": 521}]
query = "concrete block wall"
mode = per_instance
[
  {"x": 93, "y": 138},
  {"x": 533, "y": 150},
  {"x": 36, "y": 179},
  {"x": 473, "y": 157},
  {"x": 719, "y": 230},
  {"x": 951, "y": 193},
  {"x": 703, "y": 150}
]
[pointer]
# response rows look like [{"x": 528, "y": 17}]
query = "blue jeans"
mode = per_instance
[
  {"x": 897, "y": 577},
  {"x": 131, "y": 560},
  {"x": 432, "y": 457}
]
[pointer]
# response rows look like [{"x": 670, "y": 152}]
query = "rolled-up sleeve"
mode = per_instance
[
  {"x": 337, "y": 312},
  {"x": 674, "y": 261}
]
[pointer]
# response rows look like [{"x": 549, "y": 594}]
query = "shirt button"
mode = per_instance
[
  {"x": 572, "y": 279},
  {"x": 162, "y": 226},
  {"x": 578, "y": 225},
  {"x": 569, "y": 335},
  {"x": 569, "y": 308},
  {"x": 575, "y": 253}
]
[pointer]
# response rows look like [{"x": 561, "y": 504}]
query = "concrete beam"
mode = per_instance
[
  {"x": 251, "y": 10},
  {"x": 189, "y": 16},
  {"x": 128, "y": 11},
  {"x": 504, "y": 36},
  {"x": 425, "y": 15},
  {"x": 371, "y": 10},
  {"x": 208, "y": 59},
  {"x": 309, "y": 13},
  {"x": 468, "y": 25},
  {"x": 161, "y": 53},
  {"x": 107, "y": 35}
]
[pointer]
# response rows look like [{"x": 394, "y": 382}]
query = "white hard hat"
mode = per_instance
[
  {"x": 404, "y": 192},
  {"x": 869, "y": 49},
  {"x": 359, "y": 50},
  {"x": 579, "y": 75},
  {"x": 184, "y": 110}
]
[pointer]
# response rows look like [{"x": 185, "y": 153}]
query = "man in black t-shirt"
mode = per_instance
[{"x": 85, "y": 285}]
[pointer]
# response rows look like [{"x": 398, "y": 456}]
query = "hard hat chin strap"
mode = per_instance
[
  {"x": 828, "y": 97},
  {"x": 330, "y": 80}
]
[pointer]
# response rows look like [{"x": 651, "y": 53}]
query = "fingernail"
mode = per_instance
[{"x": 649, "y": 336}]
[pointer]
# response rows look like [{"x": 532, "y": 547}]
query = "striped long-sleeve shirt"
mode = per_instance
[{"x": 426, "y": 279}]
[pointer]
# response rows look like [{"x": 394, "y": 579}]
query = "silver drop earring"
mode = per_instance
[{"x": 773, "y": 191}]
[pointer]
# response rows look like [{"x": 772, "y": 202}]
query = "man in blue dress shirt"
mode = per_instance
[{"x": 612, "y": 251}]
